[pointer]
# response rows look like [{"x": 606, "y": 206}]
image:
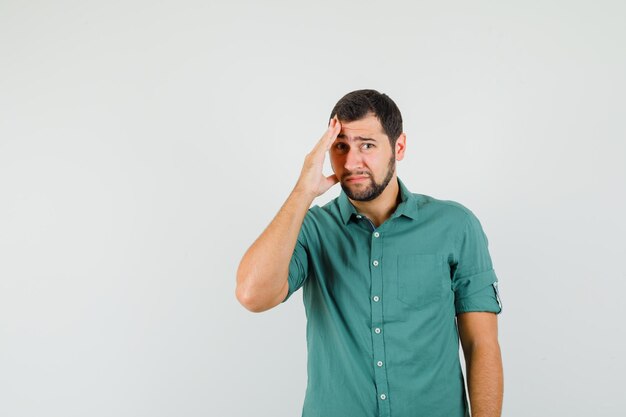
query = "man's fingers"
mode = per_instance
[
  {"x": 325, "y": 142},
  {"x": 334, "y": 127}
]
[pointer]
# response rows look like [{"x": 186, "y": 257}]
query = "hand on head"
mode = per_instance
[{"x": 312, "y": 180}]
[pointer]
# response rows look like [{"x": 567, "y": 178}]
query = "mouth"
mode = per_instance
[{"x": 356, "y": 179}]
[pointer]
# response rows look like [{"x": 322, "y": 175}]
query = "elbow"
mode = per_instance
[
  {"x": 255, "y": 292},
  {"x": 247, "y": 297},
  {"x": 242, "y": 291},
  {"x": 248, "y": 301}
]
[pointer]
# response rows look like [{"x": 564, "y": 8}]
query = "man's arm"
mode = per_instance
[
  {"x": 478, "y": 332},
  {"x": 262, "y": 276}
]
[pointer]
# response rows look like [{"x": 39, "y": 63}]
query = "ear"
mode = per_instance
[{"x": 400, "y": 146}]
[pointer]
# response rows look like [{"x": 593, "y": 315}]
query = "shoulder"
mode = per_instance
[
  {"x": 328, "y": 211},
  {"x": 321, "y": 218},
  {"x": 450, "y": 209},
  {"x": 452, "y": 215}
]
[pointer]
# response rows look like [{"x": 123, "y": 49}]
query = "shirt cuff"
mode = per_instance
[{"x": 478, "y": 293}]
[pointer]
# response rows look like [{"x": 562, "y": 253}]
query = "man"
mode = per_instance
[{"x": 391, "y": 280}]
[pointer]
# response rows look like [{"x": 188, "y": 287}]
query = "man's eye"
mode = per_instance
[
  {"x": 368, "y": 144},
  {"x": 340, "y": 146}
]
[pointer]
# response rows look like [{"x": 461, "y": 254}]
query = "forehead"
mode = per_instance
[{"x": 368, "y": 126}]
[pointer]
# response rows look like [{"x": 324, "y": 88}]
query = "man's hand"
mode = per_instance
[{"x": 312, "y": 181}]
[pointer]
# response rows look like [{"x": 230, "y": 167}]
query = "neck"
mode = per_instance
[{"x": 382, "y": 207}]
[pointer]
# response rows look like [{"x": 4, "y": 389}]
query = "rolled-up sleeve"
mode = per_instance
[
  {"x": 474, "y": 281},
  {"x": 298, "y": 266}
]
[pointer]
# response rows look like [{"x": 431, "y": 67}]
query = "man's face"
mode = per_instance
[{"x": 362, "y": 158}]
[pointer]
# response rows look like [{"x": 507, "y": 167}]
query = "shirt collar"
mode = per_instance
[{"x": 407, "y": 207}]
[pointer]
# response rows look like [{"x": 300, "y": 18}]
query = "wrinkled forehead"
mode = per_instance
[{"x": 367, "y": 127}]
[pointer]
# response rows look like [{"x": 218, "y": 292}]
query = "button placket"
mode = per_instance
[{"x": 377, "y": 278}]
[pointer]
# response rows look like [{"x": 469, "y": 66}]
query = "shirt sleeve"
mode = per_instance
[
  {"x": 299, "y": 265},
  {"x": 474, "y": 281}
]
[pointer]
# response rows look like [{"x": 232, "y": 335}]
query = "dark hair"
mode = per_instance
[{"x": 357, "y": 104}]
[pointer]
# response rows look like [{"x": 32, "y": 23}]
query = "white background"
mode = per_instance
[{"x": 144, "y": 145}]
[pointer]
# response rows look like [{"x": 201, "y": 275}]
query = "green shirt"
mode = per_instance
[{"x": 381, "y": 305}]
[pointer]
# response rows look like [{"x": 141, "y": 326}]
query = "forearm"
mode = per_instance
[
  {"x": 264, "y": 268},
  {"x": 485, "y": 380}
]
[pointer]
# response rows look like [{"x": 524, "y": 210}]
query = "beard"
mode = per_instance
[{"x": 372, "y": 189}]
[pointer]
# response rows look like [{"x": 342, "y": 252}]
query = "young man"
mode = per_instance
[{"x": 385, "y": 273}]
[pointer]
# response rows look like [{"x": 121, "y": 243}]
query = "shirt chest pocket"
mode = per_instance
[{"x": 422, "y": 279}]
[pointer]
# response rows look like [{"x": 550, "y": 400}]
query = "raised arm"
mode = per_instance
[{"x": 262, "y": 276}]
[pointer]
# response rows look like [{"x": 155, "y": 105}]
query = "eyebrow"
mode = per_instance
[{"x": 359, "y": 138}]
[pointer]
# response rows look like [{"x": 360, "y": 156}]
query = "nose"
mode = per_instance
[{"x": 353, "y": 161}]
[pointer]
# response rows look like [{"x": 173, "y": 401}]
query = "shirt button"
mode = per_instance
[
  {"x": 383, "y": 396},
  {"x": 376, "y": 234},
  {"x": 379, "y": 363},
  {"x": 376, "y": 298},
  {"x": 358, "y": 216},
  {"x": 377, "y": 330},
  {"x": 375, "y": 263}
]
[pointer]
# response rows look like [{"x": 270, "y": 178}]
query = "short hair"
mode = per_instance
[{"x": 358, "y": 104}]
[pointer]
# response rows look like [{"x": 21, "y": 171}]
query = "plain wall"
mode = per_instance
[{"x": 145, "y": 145}]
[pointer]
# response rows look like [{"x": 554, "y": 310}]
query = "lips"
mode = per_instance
[{"x": 356, "y": 178}]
